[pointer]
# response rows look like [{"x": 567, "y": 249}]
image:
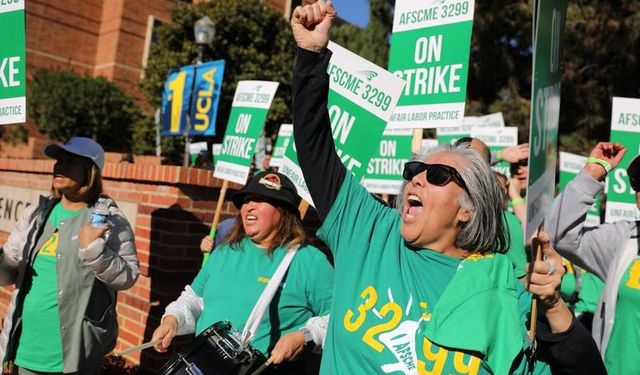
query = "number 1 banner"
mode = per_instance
[
  {"x": 430, "y": 51},
  {"x": 251, "y": 104},
  {"x": 192, "y": 93}
]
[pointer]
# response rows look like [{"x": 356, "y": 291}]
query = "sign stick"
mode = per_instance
[
  {"x": 416, "y": 144},
  {"x": 303, "y": 207},
  {"x": 216, "y": 216},
  {"x": 537, "y": 249}
]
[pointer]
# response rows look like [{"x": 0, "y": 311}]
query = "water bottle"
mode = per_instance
[{"x": 100, "y": 214}]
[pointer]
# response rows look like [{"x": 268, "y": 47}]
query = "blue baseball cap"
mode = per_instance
[{"x": 81, "y": 146}]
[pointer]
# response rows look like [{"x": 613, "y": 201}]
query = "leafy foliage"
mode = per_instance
[
  {"x": 64, "y": 104},
  {"x": 254, "y": 40}
]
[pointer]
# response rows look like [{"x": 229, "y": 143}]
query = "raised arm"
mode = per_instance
[
  {"x": 590, "y": 248},
  {"x": 322, "y": 169}
]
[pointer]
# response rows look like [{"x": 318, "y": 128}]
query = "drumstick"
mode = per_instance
[
  {"x": 262, "y": 367},
  {"x": 142, "y": 346}
]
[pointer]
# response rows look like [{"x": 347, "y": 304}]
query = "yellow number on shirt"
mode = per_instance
[
  {"x": 396, "y": 316},
  {"x": 634, "y": 275},
  {"x": 438, "y": 359},
  {"x": 470, "y": 367},
  {"x": 370, "y": 297}
]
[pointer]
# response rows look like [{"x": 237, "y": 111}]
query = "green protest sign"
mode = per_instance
[
  {"x": 249, "y": 110},
  {"x": 362, "y": 97},
  {"x": 448, "y": 135},
  {"x": 545, "y": 110},
  {"x": 428, "y": 143},
  {"x": 625, "y": 129},
  {"x": 13, "y": 102},
  {"x": 285, "y": 135},
  {"x": 430, "y": 51},
  {"x": 194, "y": 150},
  {"x": 497, "y": 139},
  {"x": 570, "y": 166},
  {"x": 384, "y": 173}
]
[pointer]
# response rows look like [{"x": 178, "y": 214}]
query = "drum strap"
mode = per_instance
[{"x": 255, "y": 318}]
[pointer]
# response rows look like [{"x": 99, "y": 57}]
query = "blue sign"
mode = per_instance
[{"x": 194, "y": 95}]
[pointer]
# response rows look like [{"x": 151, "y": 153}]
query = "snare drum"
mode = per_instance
[{"x": 218, "y": 350}]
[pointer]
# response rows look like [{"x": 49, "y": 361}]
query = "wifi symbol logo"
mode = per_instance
[{"x": 369, "y": 74}]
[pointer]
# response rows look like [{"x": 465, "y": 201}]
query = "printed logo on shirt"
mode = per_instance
[
  {"x": 397, "y": 334},
  {"x": 50, "y": 247},
  {"x": 634, "y": 275}
]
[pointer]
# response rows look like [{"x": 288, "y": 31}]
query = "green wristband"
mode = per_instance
[
  {"x": 515, "y": 201},
  {"x": 603, "y": 163}
]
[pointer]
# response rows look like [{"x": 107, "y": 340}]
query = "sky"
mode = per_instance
[{"x": 354, "y": 11}]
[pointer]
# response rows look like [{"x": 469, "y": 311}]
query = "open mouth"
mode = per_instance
[
  {"x": 414, "y": 206},
  {"x": 251, "y": 218}
]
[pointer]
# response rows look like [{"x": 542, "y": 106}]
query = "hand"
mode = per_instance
[
  {"x": 288, "y": 348},
  {"x": 612, "y": 153},
  {"x": 514, "y": 154},
  {"x": 514, "y": 188},
  {"x": 311, "y": 25},
  {"x": 206, "y": 245},
  {"x": 166, "y": 331},
  {"x": 545, "y": 285},
  {"x": 88, "y": 233}
]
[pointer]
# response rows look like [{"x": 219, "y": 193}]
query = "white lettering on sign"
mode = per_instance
[
  {"x": 620, "y": 184},
  {"x": 388, "y": 148},
  {"x": 242, "y": 124},
  {"x": 428, "y": 50},
  {"x": 8, "y": 65},
  {"x": 341, "y": 123}
]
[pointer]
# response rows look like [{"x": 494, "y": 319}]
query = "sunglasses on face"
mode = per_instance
[{"x": 437, "y": 174}]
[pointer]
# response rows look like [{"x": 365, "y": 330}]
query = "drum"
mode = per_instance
[{"x": 218, "y": 350}]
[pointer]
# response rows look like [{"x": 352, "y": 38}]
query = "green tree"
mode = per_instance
[
  {"x": 64, "y": 104},
  {"x": 254, "y": 40}
]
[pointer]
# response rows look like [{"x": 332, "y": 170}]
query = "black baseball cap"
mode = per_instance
[
  {"x": 633, "y": 171},
  {"x": 273, "y": 186}
]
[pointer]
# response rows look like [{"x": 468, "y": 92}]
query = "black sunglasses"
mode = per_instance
[{"x": 437, "y": 174}]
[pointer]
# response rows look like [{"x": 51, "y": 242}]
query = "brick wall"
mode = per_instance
[{"x": 174, "y": 207}]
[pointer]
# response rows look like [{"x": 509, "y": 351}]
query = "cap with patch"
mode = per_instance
[
  {"x": 633, "y": 171},
  {"x": 81, "y": 146},
  {"x": 273, "y": 186}
]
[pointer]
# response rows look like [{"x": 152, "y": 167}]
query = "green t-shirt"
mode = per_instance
[
  {"x": 590, "y": 290},
  {"x": 40, "y": 346},
  {"x": 232, "y": 280},
  {"x": 517, "y": 252},
  {"x": 622, "y": 351},
  {"x": 387, "y": 293}
]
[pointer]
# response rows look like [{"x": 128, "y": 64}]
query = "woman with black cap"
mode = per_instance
[
  {"x": 67, "y": 261},
  {"x": 229, "y": 285}
]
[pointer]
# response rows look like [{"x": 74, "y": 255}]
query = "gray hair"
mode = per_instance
[{"x": 485, "y": 232}]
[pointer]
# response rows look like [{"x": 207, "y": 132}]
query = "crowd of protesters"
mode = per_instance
[{"x": 437, "y": 282}]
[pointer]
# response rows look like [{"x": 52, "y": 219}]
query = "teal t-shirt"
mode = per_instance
[
  {"x": 386, "y": 294},
  {"x": 590, "y": 290},
  {"x": 40, "y": 346},
  {"x": 232, "y": 280},
  {"x": 517, "y": 252},
  {"x": 622, "y": 351}
]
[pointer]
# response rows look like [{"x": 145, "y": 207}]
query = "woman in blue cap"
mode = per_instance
[{"x": 66, "y": 263}]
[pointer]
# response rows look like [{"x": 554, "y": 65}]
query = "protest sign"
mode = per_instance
[
  {"x": 625, "y": 129},
  {"x": 13, "y": 101},
  {"x": 194, "y": 150},
  {"x": 497, "y": 139},
  {"x": 285, "y": 135},
  {"x": 192, "y": 93},
  {"x": 249, "y": 110},
  {"x": 384, "y": 173},
  {"x": 430, "y": 51},
  {"x": 545, "y": 110},
  {"x": 429, "y": 143},
  {"x": 570, "y": 166},
  {"x": 362, "y": 97},
  {"x": 448, "y": 135}
]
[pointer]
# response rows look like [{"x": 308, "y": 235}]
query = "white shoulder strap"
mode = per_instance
[{"x": 255, "y": 318}]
